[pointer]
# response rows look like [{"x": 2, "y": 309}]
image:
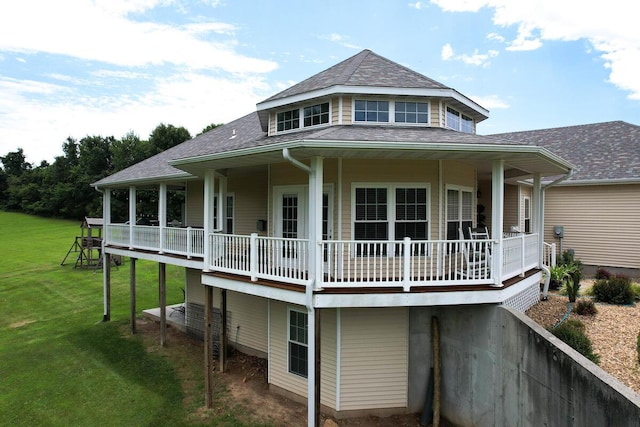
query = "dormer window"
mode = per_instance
[
  {"x": 371, "y": 111},
  {"x": 316, "y": 114},
  {"x": 412, "y": 112},
  {"x": 313, "y": 115},
  {"x": 457, "y": 121},
  {"x": 288, "y": 120}
]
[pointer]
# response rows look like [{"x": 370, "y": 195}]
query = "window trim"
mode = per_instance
[
  {"x": 301, "y": 117},
  {"x": 391, "y": 205},
  {"x": 526, "y": 214},
  {"x": 290, "y": 341},
  {"x": 392, "y": 110},
  {"x": 460, "y": 189},
  {"x": 461, "y": 117}
]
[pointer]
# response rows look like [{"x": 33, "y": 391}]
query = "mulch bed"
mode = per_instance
[{"x": 613, "y": 331}]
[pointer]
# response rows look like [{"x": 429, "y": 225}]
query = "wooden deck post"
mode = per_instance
[
  {"x": 208, "y": 346},
  {"x": 162, "y": 284},
  {"x": 132, "y": 296},
  {"x": 107, "y": 287},
  {"x": 223, "y": 330}
]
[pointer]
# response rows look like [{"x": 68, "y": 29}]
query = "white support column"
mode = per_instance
[
  {"x": 106, "y": 258},
  {"x": 162, "y": 213},
  {"x": 132, "y": 214},
  {"x": 209, "y": 198},
  {"x": 497, "y": 217},
  {"x": 315, "y": 221},
  {"x": 536, "y": 221},
  {"x": 106, "y": 213},
  {"x": 222, "y": 205}
]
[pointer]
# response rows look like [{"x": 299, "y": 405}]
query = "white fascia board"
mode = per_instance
[
  {"x": 415, "y": 299},
  {"x": 182, "y": 176},
  {"x": 591, "y": 182},
  {"x": 320, "y": 144},
  {"x": 269, "y": 292},
  {"x": 156, "y": 257},
  {"x": 373, "y": 90}
]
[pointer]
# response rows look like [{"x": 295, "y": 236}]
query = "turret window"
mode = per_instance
[
  {"x": 371, "y": 111},
  {"x": 316, "y": 114},
  {"x": 458, "y": 121},
  {"x": 412, "y": 112},
  {"x": 288, "y": 120}
]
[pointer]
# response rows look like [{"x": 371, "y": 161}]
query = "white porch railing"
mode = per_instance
[
  {"x": 345, "y": 263},
  {"x": 188, "y": 241},
  {"x": 549, "y": 254},
  {"x": 270, "y": 258},
  {"x": 348, "y": 263}
]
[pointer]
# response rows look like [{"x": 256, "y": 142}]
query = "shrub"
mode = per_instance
[
  {"x": 585, "y": 307},
  {"x": 571, "y": 332},
  {"x": 601, "y": 273},
  {"x": 615, "y": 290},
  {"x": 636, "y": 291}
]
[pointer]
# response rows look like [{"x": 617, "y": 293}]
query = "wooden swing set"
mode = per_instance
[{"x": 88, "y": 246}]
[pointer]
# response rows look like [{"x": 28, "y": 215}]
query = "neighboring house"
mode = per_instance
[
  {"x": 329, "y": 223},
  {"x": 598, "y": 206}
]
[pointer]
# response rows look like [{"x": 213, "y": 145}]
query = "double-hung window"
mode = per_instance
[
  {"x": 298, "y": 342},
  {"x": 371, "y": 111},
  {"x": 457, "y": 121},
  {"x": 390, "y": 212},
  {"x": 459, "y": 212},
  {"x": 228, "y": 218}
]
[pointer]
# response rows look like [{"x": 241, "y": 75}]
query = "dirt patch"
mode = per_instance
[{"x": 21, "y": 323}]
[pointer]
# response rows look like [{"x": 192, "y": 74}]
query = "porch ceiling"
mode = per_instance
[{"x": 520, "y": 161}]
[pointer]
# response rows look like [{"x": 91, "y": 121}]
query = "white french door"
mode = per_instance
[{"x": 291, "y": 215}]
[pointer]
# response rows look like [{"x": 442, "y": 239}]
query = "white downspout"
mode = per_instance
[
  {"x": 547, "y": 280},
  {"x": 311, "y": 326}
]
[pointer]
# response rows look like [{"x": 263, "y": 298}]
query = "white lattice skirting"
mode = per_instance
[{"x": 525, "y": 299}]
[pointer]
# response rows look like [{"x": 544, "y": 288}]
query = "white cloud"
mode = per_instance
[
  {"x": 102, "y": 32},
  {"x": 477, "y": 59},
  {"x": 491, "y": 102},
  {"x": 340, "y": 39},
  {"x": 418, "y": 5},
  {"x": 610, "y": 27}
]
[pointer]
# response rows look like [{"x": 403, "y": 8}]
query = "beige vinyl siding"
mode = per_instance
[
  {"x": 512, "y": 208},
  {"x": 250, "y": 192},
  {"x": 278, "y": 363},
  {"x": 248, "y": 320},
  {"x": 328, "y": 357},
  {"x": 434, "y": 111},
  {"x": 374, "y": 358},
  {"x": 347, "y": 110},
  {"x": 279, "y": 374},
  {"x": 195, "y": 204},
  {"x": 272, "y": 123},
  {"x": 335, "y": 110},
  {"x": 601, "y": 223},
  {"x": 194, "y": 291}
]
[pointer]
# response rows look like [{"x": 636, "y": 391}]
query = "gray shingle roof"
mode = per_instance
[
  {"x": 601, "y": 151},
  {"x": 246, "y": 133},
  {"x": 364, "y": 69}
]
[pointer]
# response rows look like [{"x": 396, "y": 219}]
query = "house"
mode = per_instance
[
  {"x": 325, "y": 229},
  {"x": 597, "y": 205}
]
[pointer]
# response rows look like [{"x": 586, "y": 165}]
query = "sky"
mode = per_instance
[{"x": 73, "y": 68}]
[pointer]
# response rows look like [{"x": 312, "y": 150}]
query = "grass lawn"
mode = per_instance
[{"x": 60, "y": 365}]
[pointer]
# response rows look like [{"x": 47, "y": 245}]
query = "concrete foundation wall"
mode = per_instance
[{"x": 501, "y": 369}]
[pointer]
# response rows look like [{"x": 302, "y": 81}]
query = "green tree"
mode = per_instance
[
  {"x": 210, "y": 127},
  {"x": 164, "y": 137},
  {"x": 129, "y": 150}
]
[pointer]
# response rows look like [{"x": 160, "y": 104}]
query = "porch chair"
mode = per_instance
[
  {"x": 181, "y": 308},
  {"x": 476, "y": 252}
]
